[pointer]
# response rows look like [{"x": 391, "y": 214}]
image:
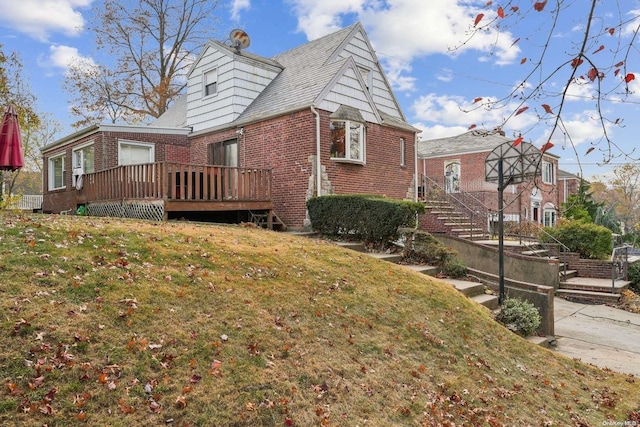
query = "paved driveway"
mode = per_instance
[{"x": 602, "y": 336}]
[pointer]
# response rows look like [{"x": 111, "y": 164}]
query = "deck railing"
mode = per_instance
[{"x": 175, "y": 181}]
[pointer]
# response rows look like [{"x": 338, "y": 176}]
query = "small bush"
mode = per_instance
[
  {"x": 519, "y": 316},
  {"x": 454, "y": 268},
  {"x": 423, "y": 248},
  {"x": 634, "y": 276}
]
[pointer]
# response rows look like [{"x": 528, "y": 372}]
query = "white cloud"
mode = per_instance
[
  {"x": 238, "y": 6},
  {"x": 461, "y": 112},
  {"x": 40, "y": 18},
  {"x": 61, "y": 56},
  {"x": 403, "y": 30}
]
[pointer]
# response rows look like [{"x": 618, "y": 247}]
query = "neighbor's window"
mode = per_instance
[
  {"x": 347, "y": 140},
  {"x": 402, "y": 149},
  {"x": 57, "y": 172},
  {"x": 548, "y": 173},
  {"x": 549, "y": 219},
  {"x": 133, "y": 153},
  {"x": 211, "y": 82}
]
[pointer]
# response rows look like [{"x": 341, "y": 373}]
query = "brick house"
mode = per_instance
[
  {"x": 457, "y": 166},
  {"x": 251, "y": 134}
]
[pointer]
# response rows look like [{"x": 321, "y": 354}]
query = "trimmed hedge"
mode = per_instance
[
  {"x": 591, "y": 241},
  {"x": 372, "y": 219}
]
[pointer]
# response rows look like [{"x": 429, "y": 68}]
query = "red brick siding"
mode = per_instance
[
  {"x": 286, "y": 143},
  {"x": 472, "y": 177},
  {"x": 105, "y": 157}
]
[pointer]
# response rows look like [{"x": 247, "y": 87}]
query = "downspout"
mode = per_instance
[
  {"x": 318, "y": 163},
  {"x": 415, "y": 167}
]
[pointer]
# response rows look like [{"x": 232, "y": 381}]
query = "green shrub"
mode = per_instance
[
  {"x": 634, "y": 276},
  {"x": 519, "y": 316},
  {"x": 372, "y": 219},
  {"x": 421, "y": 247},
  {"x": 589, "y": 240},
  {"x": 454, "y": 268}
]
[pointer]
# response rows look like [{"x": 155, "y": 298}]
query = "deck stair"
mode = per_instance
[{"x": 261, "y": 219}]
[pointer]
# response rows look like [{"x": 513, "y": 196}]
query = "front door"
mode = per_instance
[{"x": 452, "y": 176}]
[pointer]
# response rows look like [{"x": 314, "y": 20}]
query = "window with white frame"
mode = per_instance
[
  {"x": 549, "y": 216},
  {"x": 402, "y": 153},
  {"x": 134, "y": 153},
  {"x": 210, "y": 82},
  {"x": 548, "y": 173},
  {"x": 82, "y": 160},
  {"x": 57, "y": 172},
  {"x": 347, "y": 140}
]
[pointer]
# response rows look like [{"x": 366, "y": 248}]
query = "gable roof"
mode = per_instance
[
  {"x": 473, "y": 141},
  {"x": 308, "y": 73}
]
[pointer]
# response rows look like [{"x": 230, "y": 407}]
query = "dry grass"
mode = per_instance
[{"x": 122, "y": 323}]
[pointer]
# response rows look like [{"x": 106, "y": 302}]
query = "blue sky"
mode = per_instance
[{"x": 436, "y": 69}]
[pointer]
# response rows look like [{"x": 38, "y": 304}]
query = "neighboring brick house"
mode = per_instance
[
  {"x": 568, "y": 184},
  {"x": 315, "y": 120},
  {"x": 457, "y": 165}
]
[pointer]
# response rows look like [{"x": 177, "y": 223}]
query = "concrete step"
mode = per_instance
[
  {"x": 354, "y": 246},
  {"x": 469, "y": 289},
  {"x": 594, "y": 285},
  {"x": 588, "y": 297},
  {"x": 535, "y": 252},
  {"x": 424, "y": 269},
  {"x": 489, "y": 301},
  {"x": 569, "y": 274},
  {"x": 394, "y": 258}
]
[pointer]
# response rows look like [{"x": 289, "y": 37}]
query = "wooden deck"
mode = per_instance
[{"x": 181, "y": 187}]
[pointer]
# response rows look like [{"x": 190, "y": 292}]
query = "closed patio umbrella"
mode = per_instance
[{"x": 11, "y": 157}]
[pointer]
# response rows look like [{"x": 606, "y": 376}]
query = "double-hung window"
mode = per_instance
[
  {"x": 548, "y": 173},
  {"x": 210, "y": 82},
  {"x": 347, "y": 140},
  {"x": 57, "y": 172}
]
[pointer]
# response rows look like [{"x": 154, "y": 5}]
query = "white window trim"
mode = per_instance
[
  {"x": 347, "y": 145},
  {"x": 403, "y": 160},
  {"x": 74, "y": 156},
  {"x": 51, "y": 172},
  {"x": 152, "y": 151},
  {"x": 550, "y": 168},
  {"x": 206, "y": 73},
  {"x": 546, "y": 211},
  {"x": 367, "y": 77}
]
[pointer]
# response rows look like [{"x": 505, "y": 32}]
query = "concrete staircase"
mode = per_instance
[
  {"x": 583, "y": 289},
  {"x": 442, "y": 217},
  {"x": 473, "y": 290}
]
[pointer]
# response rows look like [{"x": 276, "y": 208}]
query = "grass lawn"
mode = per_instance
[{"x": 109, "y": 322}]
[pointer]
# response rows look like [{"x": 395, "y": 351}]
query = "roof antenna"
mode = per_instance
[{"x": 239, "y": 40}]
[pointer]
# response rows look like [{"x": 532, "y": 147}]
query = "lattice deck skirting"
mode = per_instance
[{"x": 149, "y": 210}]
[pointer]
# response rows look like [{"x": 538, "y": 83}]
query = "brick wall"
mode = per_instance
[
  {"x": 516, "y": 198},
  {"x": 167, "y": 147},
  {"x": 287, "y": 145}
]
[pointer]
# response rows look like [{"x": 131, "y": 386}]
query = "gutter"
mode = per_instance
[{"x": 318, "y": 163}]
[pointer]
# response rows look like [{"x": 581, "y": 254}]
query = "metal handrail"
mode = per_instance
[
  {"x": 473, "y": 212},
  {"x": 618, "y": 264}
]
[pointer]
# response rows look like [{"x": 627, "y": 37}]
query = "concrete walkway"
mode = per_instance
[{"x": 602, "y": 336}]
